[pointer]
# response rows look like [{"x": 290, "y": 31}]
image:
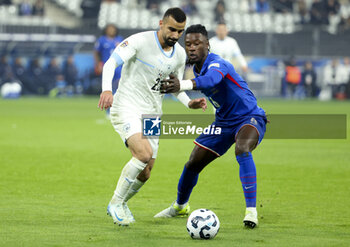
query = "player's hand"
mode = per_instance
[
  {"x": 98, "y": 68},
  {"x": 198, "y": 103},
  {"x": 171, "y": 85},
  {"x": 106, "y": 100}
]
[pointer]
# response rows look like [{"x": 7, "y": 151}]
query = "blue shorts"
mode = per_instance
[{"x": 219, "y": 144}]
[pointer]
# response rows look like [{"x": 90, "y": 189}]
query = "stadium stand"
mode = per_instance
[{"x": 267, "y": 38}]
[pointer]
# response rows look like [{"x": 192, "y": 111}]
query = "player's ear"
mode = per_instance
[{"x": 160, "y": 23}]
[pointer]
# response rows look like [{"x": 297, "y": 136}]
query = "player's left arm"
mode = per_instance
[
  {"x": 211, "y": 78},
  {"x": 183, "y": 97},
  {"x": 239, "y": 56}
]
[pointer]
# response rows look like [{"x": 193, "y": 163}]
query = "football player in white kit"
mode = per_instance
[
  {"x": 147, "y": 58},
  {"x": 227, "y": 47}
]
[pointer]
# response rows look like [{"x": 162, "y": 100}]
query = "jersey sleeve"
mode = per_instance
[
  {"x": 238, "y": 54},
  {"x": 127, "y": 48},
  {"x": 98, "y": 45},
  {"x": 215, "y": 74}
]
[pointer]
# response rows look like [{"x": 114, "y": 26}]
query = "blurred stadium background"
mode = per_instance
[
  {"x": 271, "y": 34},
  {"x": 60, "y": 157}
]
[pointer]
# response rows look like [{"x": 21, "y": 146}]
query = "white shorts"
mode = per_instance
[{"x": 128, "y": 124}]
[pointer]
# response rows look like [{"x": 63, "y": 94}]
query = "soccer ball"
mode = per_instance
[{"x": 203, "y": 224}]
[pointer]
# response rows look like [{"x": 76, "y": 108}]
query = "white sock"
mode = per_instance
[
  {"x": 130, "y": 171},
  {"x": 251, "y": 209},
  {"x": 135, "y": 187},
  {"x": 181, "y": 206}
]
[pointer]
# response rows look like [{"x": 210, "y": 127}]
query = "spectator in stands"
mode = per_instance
[
  {"x": 21, "y": 74},
  {"x": 219, "y": 11},
  {"x": 37, "y": 78},
  {"x": 70, "y": 72},
  {"x": 283, "y": 6},
  {"x": 103, "y": 49},
  {"x": 318, "y": 15},
  {"x": 309, "y": 80},
  {"x": 347, "y": 68},
  {"x": 190, "y": 7},
  {"x": 52, "y": 74},
  {"x": 153, "y": 5},
  {"x": 344, "y": 24},
  {"x": 25, "y": 8},
  {"x": 19, "y": 69},
  {"x": 38, "y": 8},
  {"x": 5, "y": 70},
  {"x": 90, "y": 8},
  {"x": 293, "y": 79},
  {"x": 5, "y": 2},
  {"x": 336, "y": 76},
  {"x": 346, "y": 62},
  {"x": 303, "y": 12},
  {"x": 332, "y": 7},
  {"x": 262, "y": 6}
]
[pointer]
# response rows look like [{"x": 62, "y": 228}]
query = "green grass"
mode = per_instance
[{"x": 60, "y": 160}]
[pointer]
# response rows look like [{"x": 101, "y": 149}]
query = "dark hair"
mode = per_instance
[
  {"x": 176, "y": 13},
  {"x": 198, "y": 28},
  {"x": 104, "y": 31}
]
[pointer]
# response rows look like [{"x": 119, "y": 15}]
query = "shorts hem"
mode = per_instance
[
  {"x": 206, "y": 148},
  {"x": 253, "y": 127}
]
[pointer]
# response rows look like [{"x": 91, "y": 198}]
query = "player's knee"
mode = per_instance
[
  {"x": 193, "y": 164},
  {"x": 145, "y": 155},
  {"x": 242, "y": 147},
  {"x": 145, "y": 174}
]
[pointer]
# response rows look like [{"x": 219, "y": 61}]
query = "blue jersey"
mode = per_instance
[
  {"x": 226, "y": 90},
  {"x": 105, "y": 47}
]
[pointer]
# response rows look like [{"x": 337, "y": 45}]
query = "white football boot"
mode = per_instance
[
  {"x": 251, "y": 218},
  {"x": 128, "y": 213},
  {"x": 116, "y": 211},
  {"x": 174, "y": 211}
]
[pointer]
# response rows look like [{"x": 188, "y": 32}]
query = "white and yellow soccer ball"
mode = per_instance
[{"x": 203, "y": 224}]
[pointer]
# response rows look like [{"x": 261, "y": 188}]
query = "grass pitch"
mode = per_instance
[{"x": 60, "y": 161}]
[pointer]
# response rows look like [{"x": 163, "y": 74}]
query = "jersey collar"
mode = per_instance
[
  {"x": 207, "y": 61},
  {"x": 160, "y": 47}
]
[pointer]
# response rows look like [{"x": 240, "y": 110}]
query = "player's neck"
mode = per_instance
[
  {"x": 199, "y": 66},
  {"x": 162, "y": 43}
]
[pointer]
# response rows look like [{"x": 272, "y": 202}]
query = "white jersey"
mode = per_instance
[
  {"x": 228, "y": 49},
  {"x": 145, "y": 65}
]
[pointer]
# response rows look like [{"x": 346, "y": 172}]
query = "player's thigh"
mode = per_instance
[
  {"x": 128, "y": 127},
  {"x": 140, "y": 147},
  {"x": 200, "y": 158},
  {"x": 247, "y": 139}
]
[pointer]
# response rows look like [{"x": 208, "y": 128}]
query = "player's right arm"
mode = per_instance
[
  {"x": 97, "y": 57},
  {"x": 122, "y": 53},
  {"x": 106, "y": 97}
]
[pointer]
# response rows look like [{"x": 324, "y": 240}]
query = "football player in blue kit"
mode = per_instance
[
  {"x": 241, "y": 120},
  {"x": 104, "y": 47}
]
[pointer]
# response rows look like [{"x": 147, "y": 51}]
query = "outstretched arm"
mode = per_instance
[
  {"x": 174, "y": 85},
  {"x": 106, "y": 97},
  {"x": 199, "y": 103},
  {"x": 209, "y": 80}
]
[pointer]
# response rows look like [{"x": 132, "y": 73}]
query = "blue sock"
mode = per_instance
[
  {"x": 187, "y": 181},
  {"x": 247, "y": 173}
]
